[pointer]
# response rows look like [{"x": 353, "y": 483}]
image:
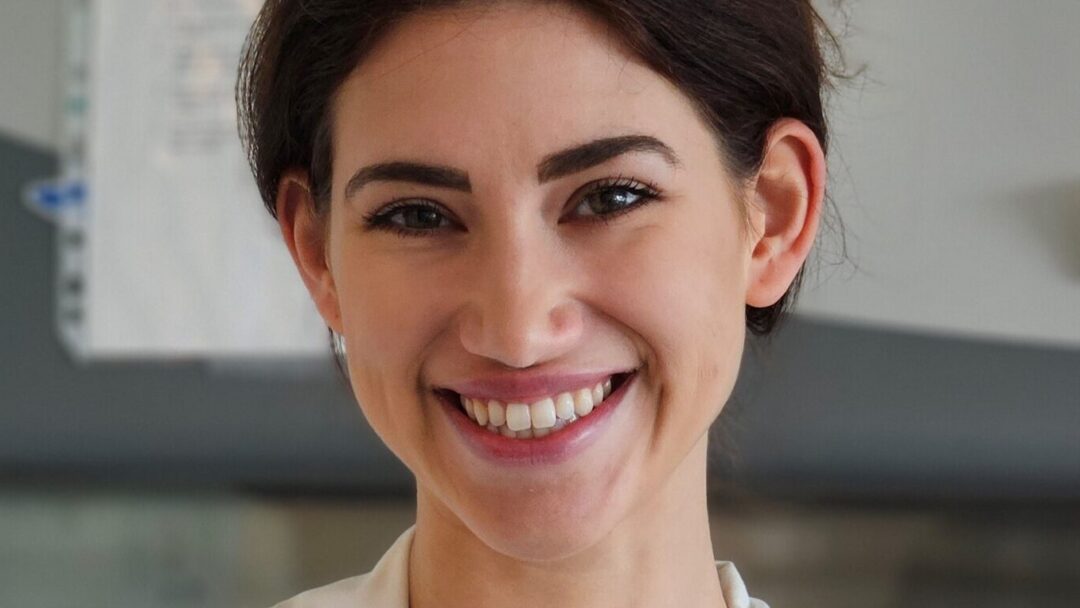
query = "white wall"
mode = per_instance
[
  {"x": 30, "y": 55},
  {"x": 957, "y": 170}
]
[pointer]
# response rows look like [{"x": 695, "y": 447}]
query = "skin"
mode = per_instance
[{"x": 521, "y": 277}]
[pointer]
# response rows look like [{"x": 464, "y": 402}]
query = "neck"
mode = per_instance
[{"x": 660, "y": 554}]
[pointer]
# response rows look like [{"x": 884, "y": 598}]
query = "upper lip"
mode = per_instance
[{"x": 514, "y": 387}]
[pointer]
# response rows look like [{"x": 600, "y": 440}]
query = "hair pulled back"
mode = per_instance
[{"x": 744, "y": 64}]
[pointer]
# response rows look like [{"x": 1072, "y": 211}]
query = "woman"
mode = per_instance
[{"x": 540, "y": 230}]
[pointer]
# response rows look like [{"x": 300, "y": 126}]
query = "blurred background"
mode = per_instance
[{"x": 910, "y": 438}]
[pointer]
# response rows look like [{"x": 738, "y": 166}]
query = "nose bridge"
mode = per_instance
[{"x": 521, "y": 307}]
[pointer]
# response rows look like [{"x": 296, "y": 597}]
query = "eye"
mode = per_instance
[
  {"x": 409, "y": 218},
  {"x": 610, "y": 198}
]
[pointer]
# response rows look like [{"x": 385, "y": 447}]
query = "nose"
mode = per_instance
[{"x": 521, "y": 307}]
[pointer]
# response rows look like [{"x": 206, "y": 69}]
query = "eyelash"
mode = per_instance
[{"x": 644, "y": 191}]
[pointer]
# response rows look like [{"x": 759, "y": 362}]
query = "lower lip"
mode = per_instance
[{"x": 553, "y": 448}]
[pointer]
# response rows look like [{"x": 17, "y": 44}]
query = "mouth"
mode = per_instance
[{"x": 539, "y": 417}]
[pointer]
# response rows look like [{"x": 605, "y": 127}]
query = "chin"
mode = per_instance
[
  {"x": 546, "y": 523},
  {"x": 530, "y": 540}
]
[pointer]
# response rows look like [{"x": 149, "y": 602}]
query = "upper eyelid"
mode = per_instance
[
  {"x": 404, "y": 203},
  {"x": 620, "y": 182}
]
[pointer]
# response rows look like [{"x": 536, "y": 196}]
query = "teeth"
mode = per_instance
[
  {"x": 517, "y": 417},
  {"x": 527, "y": 421},
  {"x": 481, "y": 413},
  {"x": 583, "y": 402},
  {"x": 496, "y": 413},
  {"x": 542, "y": 414},
  {"x": 564, "y": 406}
]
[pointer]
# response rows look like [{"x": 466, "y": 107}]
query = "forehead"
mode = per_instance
[{"x": 511, "y": 82}]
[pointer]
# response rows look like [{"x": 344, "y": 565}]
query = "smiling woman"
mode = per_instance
[{"x": 542, "y": 230}]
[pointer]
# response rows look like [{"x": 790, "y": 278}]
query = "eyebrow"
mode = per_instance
[{"x": 560, "y": 164}]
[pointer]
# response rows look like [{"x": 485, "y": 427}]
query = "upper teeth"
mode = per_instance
[{"x": 536, "y": 419}]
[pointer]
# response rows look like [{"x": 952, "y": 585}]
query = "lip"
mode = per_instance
[
  {"x": 556, "y": 447},
  {"x": 525, "y": 388}
]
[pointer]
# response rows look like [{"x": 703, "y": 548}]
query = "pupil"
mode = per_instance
[
  {"x": 425, "y": 218},
  {"x": 612, "y": 200}
]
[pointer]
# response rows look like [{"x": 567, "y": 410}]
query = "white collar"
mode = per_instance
[{"x": 387, "y": 585}]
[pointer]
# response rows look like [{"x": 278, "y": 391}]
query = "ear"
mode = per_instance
[
  {"x": 786, "y": 195},
  {"x": 306, "y": 235}
]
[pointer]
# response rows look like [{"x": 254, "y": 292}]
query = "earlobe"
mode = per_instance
[
  {"x": 788, "y": 193},
  {"x": 305, "y": 233}
]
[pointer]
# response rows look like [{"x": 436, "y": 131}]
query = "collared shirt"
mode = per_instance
[{"x": 387, "y": 585}]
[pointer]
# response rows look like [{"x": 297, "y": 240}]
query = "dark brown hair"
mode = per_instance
[{"x": 744, "y": 63}]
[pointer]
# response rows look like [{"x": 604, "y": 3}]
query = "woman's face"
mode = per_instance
[{"x": 524, "y": 273}]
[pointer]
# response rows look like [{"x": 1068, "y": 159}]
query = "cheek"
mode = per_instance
[
  {"x": 386, "y": 309},
  {"x": 388, "y": 318},
  {"x": 680, "y": 287}
]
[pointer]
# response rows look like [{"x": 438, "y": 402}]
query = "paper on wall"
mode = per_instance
[{"x": 180, "y": 258}]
